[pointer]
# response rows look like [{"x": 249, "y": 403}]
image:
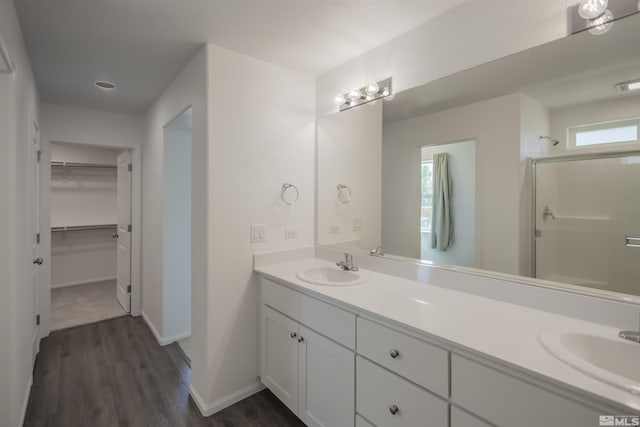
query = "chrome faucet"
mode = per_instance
[
  {"x": 347, "y": 264},
  {"x": 631, "y": 335},
  {"x": 376, "y": 252}
]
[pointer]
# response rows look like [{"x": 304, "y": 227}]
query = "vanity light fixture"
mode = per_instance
[
  {"x": 627, "y": 86},
  {"x": 371, "y": 92},
  {"x": 601, "y": 24},
  {"x": 592, "y": 9}
]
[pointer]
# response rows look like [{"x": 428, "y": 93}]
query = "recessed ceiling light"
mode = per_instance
[
  {"x": 105, "y": 85},
  {"x": 627, "y": 86}
]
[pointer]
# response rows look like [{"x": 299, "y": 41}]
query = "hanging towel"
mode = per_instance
[{"x": 441, "y": 218}]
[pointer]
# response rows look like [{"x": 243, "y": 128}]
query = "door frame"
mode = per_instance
[{"x": 45, "y": 223}]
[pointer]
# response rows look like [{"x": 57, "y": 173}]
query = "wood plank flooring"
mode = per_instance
[{"x": 113, "y": 373}]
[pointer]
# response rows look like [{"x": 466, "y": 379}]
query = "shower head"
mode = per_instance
[{"x": 554, "y": 141}]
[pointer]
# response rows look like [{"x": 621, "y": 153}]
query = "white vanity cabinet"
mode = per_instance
[{"x": 310, "y": 373}]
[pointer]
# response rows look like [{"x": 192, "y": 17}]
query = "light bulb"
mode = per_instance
[
  {"x": 385, "y": 92},
  {"x": 602, "y": 24},
  {"x": 339, "y": 99},
  {"x": 591, "y": 9},
  {"x": 372, "y": 89},
  {"x": 355, "y": 95}
]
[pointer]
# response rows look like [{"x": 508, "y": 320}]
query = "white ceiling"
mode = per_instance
[
  {"x": 142, "y": 44},
  {"x": 574, "y": 70}
]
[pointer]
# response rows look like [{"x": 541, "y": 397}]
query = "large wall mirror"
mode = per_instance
[{"x": 528, "y": 165}]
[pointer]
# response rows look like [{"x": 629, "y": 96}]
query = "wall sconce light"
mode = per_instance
[{"x": 368, "y": 93}]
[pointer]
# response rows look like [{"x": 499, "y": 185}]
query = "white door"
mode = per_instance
[
  {"x": 123, "y": 276},
  {"x": 279, "y": 353},
  {"x": 326, "y": 382},
  {"x": 35, "y": 227}
]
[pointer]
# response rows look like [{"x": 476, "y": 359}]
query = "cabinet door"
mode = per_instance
[
  {"x": 279, "y": 356},
  {"x": 327, "y": 382}
]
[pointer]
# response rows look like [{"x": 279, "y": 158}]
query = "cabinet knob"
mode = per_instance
[
  {"x": 394, "y": 353},
  {"x": 301, "y": 339},
  {"x": 394, "y": 409},
  {"x": 293, "y": 335}
]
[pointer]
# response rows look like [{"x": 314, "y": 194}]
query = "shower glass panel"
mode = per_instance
[{"x": 587, "y": 212}]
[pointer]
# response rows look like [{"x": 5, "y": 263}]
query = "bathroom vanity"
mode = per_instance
[{"x": 388, "y": 351}]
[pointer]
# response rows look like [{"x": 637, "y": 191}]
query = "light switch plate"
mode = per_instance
[{"x": 258, "y": 233}]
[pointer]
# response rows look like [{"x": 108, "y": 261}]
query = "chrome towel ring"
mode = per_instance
[
  {"x": 283, "y": 195},
  {"x": 344, "y": 196}
]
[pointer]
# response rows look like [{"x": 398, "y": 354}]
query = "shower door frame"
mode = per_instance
[{"x": 558, "y": 159}]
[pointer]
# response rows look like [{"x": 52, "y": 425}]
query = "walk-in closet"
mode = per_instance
[{"x": 90, "y": 205}]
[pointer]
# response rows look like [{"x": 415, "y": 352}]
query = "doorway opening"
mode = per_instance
[
  {"x": 90, "y": 208},
  {"x": 177, "y": 230}
]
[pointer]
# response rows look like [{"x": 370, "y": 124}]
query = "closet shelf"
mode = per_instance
[
  {"x": 83, "y": 165},
  {"x": 84, "y": 227}
]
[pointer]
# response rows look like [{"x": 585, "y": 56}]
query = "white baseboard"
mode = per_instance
[
  {"x": 25, "y": 402},
  {"x": 83, "y": 282},
  {"x": 162, "y": 341},
  {"x": 208, "y": 409}
]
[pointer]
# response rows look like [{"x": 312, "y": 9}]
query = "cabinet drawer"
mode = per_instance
[
  {"x": 508, "y": 401},
  {"x": 423, "y": 363},
  {"x": 280, "y": 298},
  {"x": 459, "y": 418},
  {"x": 333, "y": 322},
  {"x": 378, "y": 390}
]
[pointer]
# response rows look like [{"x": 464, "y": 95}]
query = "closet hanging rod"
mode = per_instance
[
  {"x": 84, "y": 227},
  {"x": 83, "y": 165}
]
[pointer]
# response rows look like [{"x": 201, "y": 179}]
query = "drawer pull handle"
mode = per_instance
[
  {"x": 394, "y": 409},
  {"x": 293, "y": 335},
  {"x": 301, "y": 339},
  {"x": 394, "y": 353}
]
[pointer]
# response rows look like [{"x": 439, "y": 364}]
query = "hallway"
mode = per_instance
[{"x": 113, "y": 373}]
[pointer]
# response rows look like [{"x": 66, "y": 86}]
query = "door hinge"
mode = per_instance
[
  {"x": 37, "y": 319},
  {"x": 39, "y": 155},
  {"x": 129, "y": 288},
  {"x": 130, "y": 167},
  {"x": 129, "y": 228},
  {"x": 37, "y": 237}
]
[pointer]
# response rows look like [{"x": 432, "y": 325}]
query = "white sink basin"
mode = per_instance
[
  {"x": 331, "y": 276},
  {"x": 608, "y": 359}
]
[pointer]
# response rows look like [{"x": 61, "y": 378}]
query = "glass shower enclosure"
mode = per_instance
[{"x": 587, "y": 220}]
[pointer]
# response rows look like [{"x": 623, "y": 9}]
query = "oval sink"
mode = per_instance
[
  {"x": 608, "y": 359},
  {"x": 331, "y": 276}
]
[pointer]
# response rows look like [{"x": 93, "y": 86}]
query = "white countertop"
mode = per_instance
[{"x": 500, "y": 330}]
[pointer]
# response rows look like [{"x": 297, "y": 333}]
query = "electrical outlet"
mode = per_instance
[
  {"x": 357, "y": 224},
  {"x": 334, "y": 229},
  {"x": 258, "y": 233},
  {"x": 290, "y": 234}
]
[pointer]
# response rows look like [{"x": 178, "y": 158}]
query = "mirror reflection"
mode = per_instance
[{"x": 528, "y": 165}]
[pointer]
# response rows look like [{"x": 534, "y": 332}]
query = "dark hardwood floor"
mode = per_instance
[{"x": 113, "y": 373}]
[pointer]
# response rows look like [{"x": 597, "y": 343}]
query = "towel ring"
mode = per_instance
[
  {"x": 341, "y": 195},
  {"x": 286, "y": 186}
]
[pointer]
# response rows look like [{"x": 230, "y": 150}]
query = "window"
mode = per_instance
[
  {"x": 427, "y": 195},
  {"x": 618, "y": 132}
]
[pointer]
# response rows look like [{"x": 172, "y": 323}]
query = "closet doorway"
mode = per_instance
[
  {"x": 176, "y": 260},
  {"x": 90, "y": 202}
]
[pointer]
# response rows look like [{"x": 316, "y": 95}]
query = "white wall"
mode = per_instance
[
  {"x": 349, "y": 153},
  {"x": 261, "y": 124},
  {"x": 462, "y": 166},
  {"x": 623, "y": 107},
  {"x": 188, "y": 89},
  {"x": 473, "y": 33},
  {"x": 82, "y": 196},
  {"x": 91, "y": 128},
  {"x": 16, "y": 235},
  {"x": 177, "y": 233}
]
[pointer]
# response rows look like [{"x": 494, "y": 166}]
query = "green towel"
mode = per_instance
[{"x": 441, "y": 218}]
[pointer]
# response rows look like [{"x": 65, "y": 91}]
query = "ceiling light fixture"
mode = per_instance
[
  {"x": 105, "y": 85},
  {"x": 591, "y": 9},
  {"x": 371, "y": 92},
  {"x": 627, "y": 86}
]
